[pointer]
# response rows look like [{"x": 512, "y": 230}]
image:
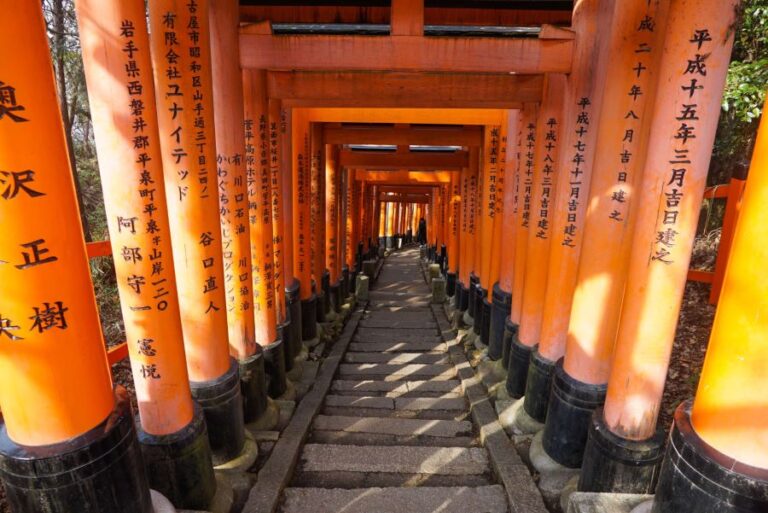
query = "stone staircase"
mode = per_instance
[{"x": 394, "y": 433}]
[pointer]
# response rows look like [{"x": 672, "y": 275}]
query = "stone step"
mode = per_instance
[
  {"x": 347, "y": 438},
  {"x": 397, "y": 403},
  {"x": 485, "y": 499},
  {"x": 419, "y": 304},
  {"x": 398, "y": 427},
  {"x": 398, "y": 372},
  {"x": 449, "y": 388},
  {"x": 456, "y": 461},
  {"x": 397, "y": 358},
  {"x": 395, "y": 335},
  {"x": 431, "y": 344},
  {"x": 427, "y": 323}
]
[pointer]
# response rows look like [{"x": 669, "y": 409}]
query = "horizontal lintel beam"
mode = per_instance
[
  {"x": 412, "y": 160},
  {"x": 403, "y": 136}
]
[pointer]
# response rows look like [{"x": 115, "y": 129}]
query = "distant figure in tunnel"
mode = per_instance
[{"x": 422, "y": 235}]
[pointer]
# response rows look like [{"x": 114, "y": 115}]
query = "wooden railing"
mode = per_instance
[
  {"x": 97, "y": 249},
  {"x": 732, "y": 193}
]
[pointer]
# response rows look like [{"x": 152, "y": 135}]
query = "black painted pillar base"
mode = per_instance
[
  {"x": 179, "y": 465},
  {"x": 477, "y": 325},
  {"x": 500, "y": 310},
  {"x": 538, "y": 386},
  {"x": 471, "y": 303},
  {"x": 253, "y": 386},
  {"x": 352, "y": 281},
  {"x": 698, "y": 478},
  {"x": 517, "y": 372},
  {"x": 485, "y": 324},
  {"x": 462, "y": 298},
  {"x": 101, "y": 470},
  {"x": 617, "y": 465},
  {"x": 450, "y": 284},
  {"x": 293, "y": 342},
  {"x": 222, "y": 406},
  {"x": 320, "y": 307},
  {"x": 334, "y": 294},
  {"x": 309, "y": 318},
  {"x": 347, "y": 287},
  {"x": 285, "y": 334},
  {"x": 569, "y": 415},
  {"x": 325, "y": 283},
  {"x": 274, "y": 367},
  {"x": 510, "y": 332},
  {"x": 390, "y": 242}
]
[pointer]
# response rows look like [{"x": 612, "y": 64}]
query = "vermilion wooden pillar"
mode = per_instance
[
  {"x": 301, "y": 204},
  {"x": 505, "y": 239},
  {"x": 181, "y": 60},
  {"x": 318, "y": 221},
  {"x": 692, "y": 70},
  {"x": 473, "y": 203},
  {"x": 143, "y": 257},
  {"x": 454, "y": 203},
  {"x": 583, "y": 101},
  {"x": 546, "y": 172},
  {"x": 461, "y": 296},
  {"x": 731, "y": 405},
  {"x": 333, "y": 243},
  {"x": 60, "y": 414}
]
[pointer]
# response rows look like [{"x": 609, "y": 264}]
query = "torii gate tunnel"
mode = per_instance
[{"x": 549, "y": 156}]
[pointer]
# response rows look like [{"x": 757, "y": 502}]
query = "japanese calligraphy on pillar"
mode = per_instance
[
  {"x": 692, "y": 83},
  {"x": 232, "y": 211},
  {"x": 493, "y": 172},
  {"x": 276, "y": 186},
  {"x": 530, "y": 145},
  {"x": 547, "y": 177},
  {"x": 576, "y": 170}
]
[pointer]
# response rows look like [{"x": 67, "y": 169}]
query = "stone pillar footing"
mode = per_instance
[
  {"x": 553, "y": 477},
  {"x": 268, "y": 420},
  {"x": 517, "y": 372},
  {"x": 571, "y": 404},
  {"x": 179, "y": 465},
  {"x": 697, "y": 477},
  {"x": 515, "y": 420},
  {"x": 590, "y": 502},
  {"x": 615, "y": 464},
  {"x": 501, "y": 307},
  {"x": 361, "y": 287},
  {"x": 438, "y": 291},
  {"x": 80, "y": 474},
  {"x": 538, "y": 385},
  {"x": 222, "y": 405},
  {"x": 243, "y": 461}
]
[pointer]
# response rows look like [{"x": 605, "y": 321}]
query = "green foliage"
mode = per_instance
[{"x": 744, "y": 93}]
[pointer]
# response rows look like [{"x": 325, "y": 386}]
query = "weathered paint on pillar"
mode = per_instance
[
  {"x": 134, "y": 197},
  {"x": 181, "y": 60},
  {"x": 731, "y": 405},
  {"x": 508, "y": 217},
  {"x": 55, "y": 382},
  {"x": 528, "y": 119},
  {"x": 545, "y": 175},
  {"x": 621, "y": 144},
  {"x": 257, "y": 152},
  {"x": 332, "y": 177},
  {"x": 283, "y": 269},
  {"x": 233, "y": 193},
  {"x": 300, "y": 165},
  {"x": 692, "y": 72},
  {"x": 582, "y": 104}
]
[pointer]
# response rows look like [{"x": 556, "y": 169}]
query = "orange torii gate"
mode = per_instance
[{"x": 570, "y": 255}]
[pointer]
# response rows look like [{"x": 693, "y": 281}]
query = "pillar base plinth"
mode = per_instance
[
  {"x": 515, "y": 420},
  {"x": 478, "y": 309},
  {"x": 500, "y": 310},
  {"x": 472, "y": 295},
  {"x": 335, "y": 297},
  {"x": 569, "y": 415},
  {"x": 538, "y": 385},
  {"x": 554, "y": 478},
  {"x": 179, "y": 465},
  {"x": 510, "y": 332},
  {"x": 450, "y": 284},
  {"x": 697, "y": 477},
  {"x": 268, "y": 420},
  {"x": 253, "y": 386},
  {"x": 293, "y": 305},
  {"x": 485, "y": 324},
  {"x": 222, "y": 405},
  {"x": 617, "y": 465},
  {"x": 243, "y": 461},
  {"x": 468, "y": 321},
  {"x": 309, "y": 318},
  {"x": 517, "y": 372},
  {"x": 274, "y": 364},
  {"x": 160, "y": 503},
  {"x": 101, "y": 470}
]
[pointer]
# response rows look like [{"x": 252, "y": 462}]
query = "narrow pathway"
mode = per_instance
[{"x": 394, "y": 433}]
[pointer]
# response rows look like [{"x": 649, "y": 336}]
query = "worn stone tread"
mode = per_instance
[
  {"x": 484, "y": 499},
  {"x": 400, "y": 427},
  {"x": 405, "y": 460},
  {"x": 431, "y": 345},
  {"x": 396, "y": 358},
  {"x": 397, "y": 371}
]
